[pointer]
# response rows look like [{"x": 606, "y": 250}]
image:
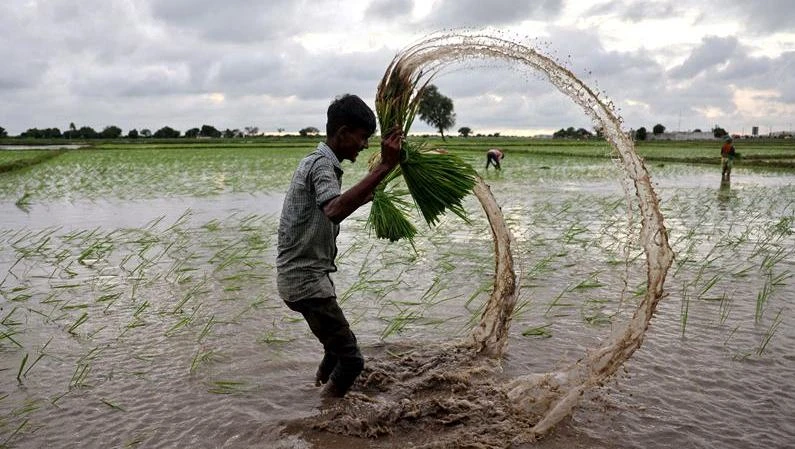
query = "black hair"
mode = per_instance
[{"x": 349, "y": 110}]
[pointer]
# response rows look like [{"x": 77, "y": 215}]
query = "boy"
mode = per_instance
[{"x": 308, "y": 228}]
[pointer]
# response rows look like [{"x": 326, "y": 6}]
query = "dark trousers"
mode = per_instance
[
  {"x": 492, "y": 159},
  {"x": 342, "y": 360}
]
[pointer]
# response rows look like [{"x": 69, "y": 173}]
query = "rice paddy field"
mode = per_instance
[{"x": 138, "y": 305}]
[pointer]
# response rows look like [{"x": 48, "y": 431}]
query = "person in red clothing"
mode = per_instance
[
  {"x": 494, "y": 156},
  {"x": 727, "y": 153}
]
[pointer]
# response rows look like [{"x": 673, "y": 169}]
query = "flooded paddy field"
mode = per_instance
[{"x": 138, "y": 305}]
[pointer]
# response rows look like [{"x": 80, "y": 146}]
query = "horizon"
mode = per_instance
[{"x": 149, "y": 63}]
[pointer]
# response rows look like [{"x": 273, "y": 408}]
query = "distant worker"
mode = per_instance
[
  {"x": 727, "y": 154},
  {"x": 494, "y": 156}
]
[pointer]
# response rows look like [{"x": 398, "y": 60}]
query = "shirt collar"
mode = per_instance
[{"x": 326, "y": 151}]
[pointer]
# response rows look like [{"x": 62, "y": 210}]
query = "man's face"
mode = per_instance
[{"x": 352, "y": 141}]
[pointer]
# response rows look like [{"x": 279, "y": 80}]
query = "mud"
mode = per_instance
[{"x": 441, "y": 397}]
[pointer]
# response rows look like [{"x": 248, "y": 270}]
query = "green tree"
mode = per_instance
[
  {"x": 31, "y": 133},
  {"x": 641, "y": 133},
  {"x": 465, "y": 131},
  {"x": 309, "y": 130},
  {"x": 719, "y": 132},
  {"x": 251, "y": 130},
  {"x": 146, "y": 132},
  {"x": 658, "y": 129},
  {"x": 571, "y": 133},
  {"x": 132, "y": 134},
  {"x": 111, "y": 132},
  {"x": 436, "y": 109},
  {"x": 192, "y": 133},
  {"x": 165, "y": 132},
  {"x": 87, "y": 132},
  {"x": 209, "y": 131},
  {"x": 3, "y": 132}
]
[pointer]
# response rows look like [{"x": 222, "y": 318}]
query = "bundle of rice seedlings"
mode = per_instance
[
  {"x": 437, "y": 182},
  {"x": 388, "y": 216}
]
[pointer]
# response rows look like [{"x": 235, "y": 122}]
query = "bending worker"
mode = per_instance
[{"x": 494, "y": 156}]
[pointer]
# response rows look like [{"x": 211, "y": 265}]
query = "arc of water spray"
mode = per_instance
[{"x": 552, "y": 395}]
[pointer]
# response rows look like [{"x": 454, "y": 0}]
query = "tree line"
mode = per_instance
[
  {"x": 642, "y": 133},
  {"x": 114, "y": 132},
  {"x": 435, "y": 109}
]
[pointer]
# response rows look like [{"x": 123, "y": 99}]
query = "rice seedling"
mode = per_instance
[
  {"x": 725, "y": 308},
  {"x": 184, "y": 321},
  {"x": 555, "y": 303},
  {"x": 202, "y": 356},
  {"x": 399, "y": 322},
  {"x": 80, "y": 321},
  {"x": 198, "y": 289},
  {"x": 590, "y": 282},
  {"x": 24, "y": 202},
  {"x": 770, "y": 332},
  {"x": 542, "y": 331},
  {"x": 685, "y": 308},
  {"x": 272, "y": 336},
  {"x": 79, "y": 376},
  {"x": 707, "y": 287},
  {"x": 762, "y": 297},
  {"x": 112, "y": 405},
  {"x": 206, "y": 329},
  {"x": 227, "y": 387},
  {"x": 592, "y": 312},
  {"x": 16, "y": 431}
]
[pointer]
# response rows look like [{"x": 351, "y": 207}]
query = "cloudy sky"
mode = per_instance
[{"x": 278, "y": 63}]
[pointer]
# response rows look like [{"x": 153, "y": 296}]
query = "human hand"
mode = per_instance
[{"x": 391, "y": 144}]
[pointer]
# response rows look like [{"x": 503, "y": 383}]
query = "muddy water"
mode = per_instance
[{"x": 196, "y": 350}]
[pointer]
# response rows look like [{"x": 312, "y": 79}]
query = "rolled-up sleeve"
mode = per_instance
[{"x": 325, "y": 182}]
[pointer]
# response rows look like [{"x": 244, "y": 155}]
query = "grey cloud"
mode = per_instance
[
  {"x": 761, "y": 17},
  {"x": 635, "y": 11},
  {"x": 468, "y": 13},
  {"x": 243, "y": 68},
  {"x": 18, "y": 74},
  {"x": 713, "y": 51},
  {"x": 233, "y": 20},
  {"x": 389, "y": 9},
  {"x": 131, "y": 81}
]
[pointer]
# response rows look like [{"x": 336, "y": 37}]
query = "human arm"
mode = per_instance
[{"x": 342, "y": 206}]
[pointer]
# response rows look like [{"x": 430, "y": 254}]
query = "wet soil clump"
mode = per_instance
[{"x": 441, "y": 397}]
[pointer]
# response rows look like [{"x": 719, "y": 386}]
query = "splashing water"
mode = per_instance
[{"x": 455, "y": 383}]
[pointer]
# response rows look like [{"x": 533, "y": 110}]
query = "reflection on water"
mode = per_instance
[
  {"x": 725, "y": 194},
  {"x": 112, "y": 213}
]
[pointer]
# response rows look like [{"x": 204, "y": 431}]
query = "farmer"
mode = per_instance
[
  {"x": 494, "y": 156},
  {"x": 727, "y": 153},
  {"x": 313, "y": 208}
]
